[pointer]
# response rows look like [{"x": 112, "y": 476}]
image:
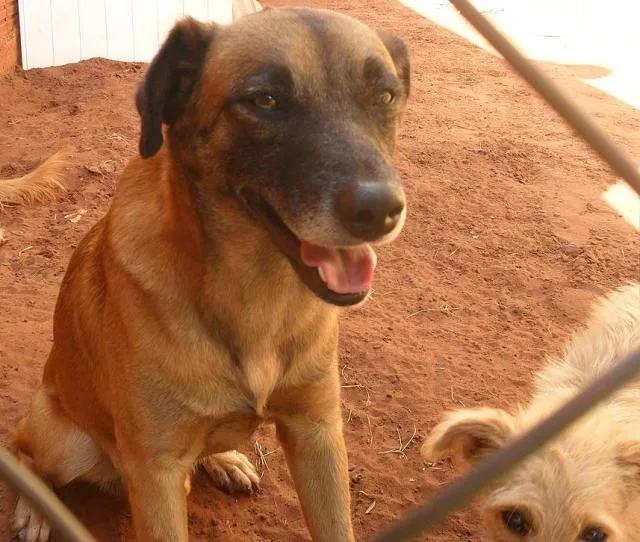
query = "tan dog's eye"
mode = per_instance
[
  {"x": 386, "y": 97},
  {"x": 265, "y": 101},
  {"x": 516, "y": 522},
  {"x": 593, "y": 534}
]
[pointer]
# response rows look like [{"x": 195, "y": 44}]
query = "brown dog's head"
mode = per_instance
[
  {"x": 292, "y": 114},
  {"x": 583, "y": 487}
]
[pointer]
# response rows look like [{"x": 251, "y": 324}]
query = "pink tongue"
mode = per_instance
[{"x": 345, "y": 270}]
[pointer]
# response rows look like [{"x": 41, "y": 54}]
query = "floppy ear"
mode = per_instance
[
  {"x": 170, "y": 80},
  {"x": 471, "y": 434},
  {"x": 400, "y": 55},
  {"x": 629, "y": 461}
]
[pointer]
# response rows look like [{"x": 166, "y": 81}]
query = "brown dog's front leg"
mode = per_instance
[
  {"x": 157, "y": 485},
  {"x": 158, "y": 499},
  {"x": 317, "y": 458}
]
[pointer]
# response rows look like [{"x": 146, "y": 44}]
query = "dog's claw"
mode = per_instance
[
  {"x": 232, "y": 472},
  {"x": 28, "y": 524}
]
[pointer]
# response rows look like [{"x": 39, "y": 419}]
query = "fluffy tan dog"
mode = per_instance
[{"x": 584, "y": 486}]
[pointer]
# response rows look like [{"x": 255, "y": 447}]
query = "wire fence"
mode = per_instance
[{"x": 462, "y": 491}]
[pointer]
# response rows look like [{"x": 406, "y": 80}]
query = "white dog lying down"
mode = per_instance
[{"x": 584, "y": 486}]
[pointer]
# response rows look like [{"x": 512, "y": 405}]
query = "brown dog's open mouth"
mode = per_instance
[{"x": 340, "y": 276}]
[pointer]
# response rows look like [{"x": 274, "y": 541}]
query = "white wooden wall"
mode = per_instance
[{"x": 55, "y": 32}]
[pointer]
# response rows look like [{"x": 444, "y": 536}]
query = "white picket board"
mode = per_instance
[
  {"x": 145, "y": 29},
  {"x": 119, "y": 30},
  {"x": 197, "y": 9},
  {"x": 35, "y": 29},
  {"x": 219, "y": 11},
  {"x": 170, "y": 12},
  {"x": 56, "y": 32},
  {"x": 65, "y": 31},
  {"x": 92, "y": 15}
]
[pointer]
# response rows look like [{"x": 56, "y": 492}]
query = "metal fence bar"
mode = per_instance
[
  {"x": 462, "y": 491},
  {"x": 42, "y": 498},
  {"x": 553, "y": 95}
]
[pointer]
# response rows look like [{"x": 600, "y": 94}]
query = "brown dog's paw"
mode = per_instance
[
  {"x": 28, "y": 524},
  {"x": 232, "y": 472}
]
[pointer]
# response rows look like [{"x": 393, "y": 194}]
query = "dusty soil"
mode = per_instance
[{"x": 507, "y": 242}]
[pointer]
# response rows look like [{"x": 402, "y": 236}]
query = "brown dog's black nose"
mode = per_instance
[{"x": 370, "y": 210}]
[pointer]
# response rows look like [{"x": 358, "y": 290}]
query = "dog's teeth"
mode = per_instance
[{"x": 322, "y": 275}]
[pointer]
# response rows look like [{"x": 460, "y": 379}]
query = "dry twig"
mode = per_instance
[
  {"x": 262, "y": 454},
  {"x": 401, "y": 446}
]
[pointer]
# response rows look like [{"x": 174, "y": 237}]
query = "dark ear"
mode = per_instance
[
  {"x": 170, "y": 80},
  {"x": 472, "y": 434},
  {"x": 400, "y": 55}
]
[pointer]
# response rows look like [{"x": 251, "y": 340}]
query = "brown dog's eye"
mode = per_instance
[
  {"x": 593, "y": 534},
  {"x": 516, "y": 522},
  {"x": 265, "y": 101},
  {"x": 386, "y": 97}
]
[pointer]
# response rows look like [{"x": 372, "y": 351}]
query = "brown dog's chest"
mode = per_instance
[
  {"x": 247, "y": 409},
  {"x": 257, "y": 389},
  {"x": 231, "y": 432},
  {"x": 230, "y": 396}
]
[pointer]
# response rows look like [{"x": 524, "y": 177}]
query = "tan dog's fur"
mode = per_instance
[
  {"x": 180, "y": 326},
  {"x": 590, "y": 476},
  {"x": 40, "y": 185}
]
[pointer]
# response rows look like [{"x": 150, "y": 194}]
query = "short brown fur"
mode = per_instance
[{"x": 180, "y": 326}]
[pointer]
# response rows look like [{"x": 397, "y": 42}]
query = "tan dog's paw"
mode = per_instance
[
  {"x": 28, "y": 524},
  {"x": 232, "y": 472}
]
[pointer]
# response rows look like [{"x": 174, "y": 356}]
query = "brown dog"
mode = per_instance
[{"x": 204, "y": 303}]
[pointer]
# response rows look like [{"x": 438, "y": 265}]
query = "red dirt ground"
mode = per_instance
[{"x": 507, "y": 242}]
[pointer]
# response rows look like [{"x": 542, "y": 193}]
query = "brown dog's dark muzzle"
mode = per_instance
[
  {"x": 291, "y": 247},
  {"x": 370, "y": 210}
]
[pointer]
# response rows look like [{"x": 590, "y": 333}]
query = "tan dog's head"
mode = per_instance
[
  {"x": 583, "y": 487},
  {"x": 290, "y": 114}
]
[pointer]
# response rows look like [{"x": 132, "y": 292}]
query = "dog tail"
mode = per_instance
[{"x": 38, "y": 186}]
